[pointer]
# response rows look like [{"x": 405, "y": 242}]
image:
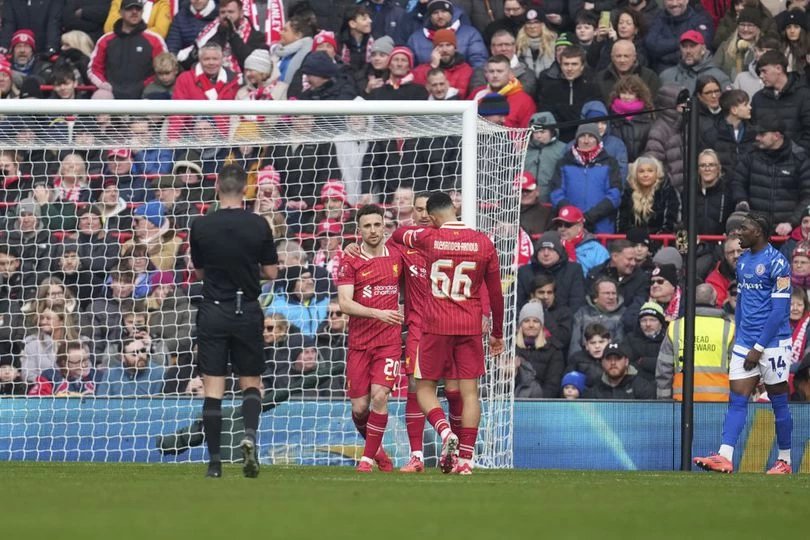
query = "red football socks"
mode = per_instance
[
  {"x": 360, "y": 423},
  {"x": 414, "y": 422},
  {"x": 455, "y": 405},
  {"x": 375, "y": 429},
  {"x": 439, "y": 422},
  {"x": 466, "y": 440}
]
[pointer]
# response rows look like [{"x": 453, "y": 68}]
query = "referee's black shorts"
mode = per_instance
[{"x": 223, "y": 337}]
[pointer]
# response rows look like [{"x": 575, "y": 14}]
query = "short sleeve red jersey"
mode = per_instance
[
  {"x": 459, "y": 261},
  {"x": 376, "y": 285}
]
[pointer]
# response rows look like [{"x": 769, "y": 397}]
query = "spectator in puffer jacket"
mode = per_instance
[
  {"x": 603, "y": 305},
  {"x": 440, "y": 15},
  {"x": 540, "y": 364},
  {"x": 551, "y": 258},
  {"x": 665, "y": 142},
  {"x": 785, "y": 96},
  {"x": 588, "y": 178},
  {"x": 582, "y": 246},
  {"x": 664, "y": 35},
  {"x": 324, "y": 81},
  {"x": 189, "y": 21},
  {"x": 543, "y": 152},
  {"x": 774, "y": 179},
  {"x": 731, "y": 134},
  {"x": 644, "y": 342},
  {"x": 614, "y": 146},
  {"x": 87, "y": 16},
  {"x": 446, "y": 57},
  {"x": 43, "y": 18},
  {"x": 694, "y": 61}
]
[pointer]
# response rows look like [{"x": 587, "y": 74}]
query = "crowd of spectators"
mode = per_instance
[{"x": 96, "y": 287}]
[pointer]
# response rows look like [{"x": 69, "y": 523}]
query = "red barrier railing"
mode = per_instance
[{"x": 666, "y": 239}]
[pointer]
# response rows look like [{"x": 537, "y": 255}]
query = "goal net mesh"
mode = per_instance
[{"x": 98, "y": 293}]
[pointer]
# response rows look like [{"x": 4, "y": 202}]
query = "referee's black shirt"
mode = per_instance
[{"x": 230, "y": 245}]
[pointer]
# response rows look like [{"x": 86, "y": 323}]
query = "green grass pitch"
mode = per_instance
[{"x": 151, "y": 502}]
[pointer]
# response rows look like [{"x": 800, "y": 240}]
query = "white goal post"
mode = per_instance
[{"x": 405, "y": 144}]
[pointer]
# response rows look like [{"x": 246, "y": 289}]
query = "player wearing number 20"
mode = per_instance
[
  {"x": 459, "y": 260},
  {"x": 761, "y": 345},
  {"x": 368, "y": 292}
]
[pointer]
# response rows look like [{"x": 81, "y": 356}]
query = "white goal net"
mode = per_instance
[{"x": 98, "y": 295}]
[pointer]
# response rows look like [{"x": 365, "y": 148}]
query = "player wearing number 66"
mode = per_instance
[
  {"x": 460, "y": 261},
  {"x": 368, "y": 292},
  {"x": 761, "y": 346}
]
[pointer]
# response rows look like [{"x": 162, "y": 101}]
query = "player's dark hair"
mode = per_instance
[
  {"x": 422, "y": 195},
  {"x": 438, "y": 201},
  {"x": 596, "y": 329},
  {"x": 232, "y": 180},
  {"x": 599, "y": 281},
  {"x": 761, "y": 221},
  {"x": 370, "y": 209},
  {"x": 617, "y": 246},
  {"x": 11, "y": 251},
  {"x": 543, "y": 279}
]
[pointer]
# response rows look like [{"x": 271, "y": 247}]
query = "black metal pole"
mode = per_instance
[{"x": 691, "y": 169}]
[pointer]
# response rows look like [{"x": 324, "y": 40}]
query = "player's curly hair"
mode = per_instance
[{"x": 761, "y": 221}]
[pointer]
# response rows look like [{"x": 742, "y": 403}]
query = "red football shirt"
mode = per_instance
[
  {"x": 459, "y": 261},
  {"x": 417, "y": 286},
  {"x": 376, "y": 285}
]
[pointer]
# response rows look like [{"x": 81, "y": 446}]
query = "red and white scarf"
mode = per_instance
[
  {"x": 67, "y": 193},
  {"x": 799, "y": 339},
  {"x": 584, "y": 157},
  {"x": 674, "y": 307},
  {"x": 571, "y": 245},
  {"x": 211, "y": 90},
  {"x": 274, "y": 22},
  {"x": 454, "y": 27},
  {"x": 230, "y": 61},
  {"x": 204, "y": 12},
  {"x": 396, "y": 83}
]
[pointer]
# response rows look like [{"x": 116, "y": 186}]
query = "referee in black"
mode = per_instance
[{"x": 230, "y": 248}]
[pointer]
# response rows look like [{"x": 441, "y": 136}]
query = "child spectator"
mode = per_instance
[
  {"x": 73, "y": 375},
  {"x": 166, "y": 69},
  {"x": 573, "y": 385},
  {"x": 543, "y": 153},
  {"x": 11, "y": 384},
  {"x": 588, "y": 361},
  {"x": 585, "y": 29},
  {"x": 63, "y": 78},
  {"x": 355, "y": 38},
  {"x": 631, "y": 95}
]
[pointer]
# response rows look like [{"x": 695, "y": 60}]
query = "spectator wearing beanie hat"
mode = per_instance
[
  {"x": 573, "y": 385},
  {"x": 551, "y": 258},
  {"x": 8, "y": 90},
  {"x": 727, "y": 25},
  {"x": 494, "y": 108},
  {"x": 543, "y": 152},
  {"x": 736, "y": 52},
  {"x": 644, "y": 342},
  {"x": 261, "y": 79},
  {"x": 24, "y": 61},
  {"x": 446, "y": 58},
  {"x": 501, "y": 79},
  {"x": 440, "y": 15},
  {"x": 665, "y": 290},
  {"x": 375, "y": 72},
  {"x": 539, "y": 364},
  {"x": 588, "y": 178},
  {"x": 323, "y": 81},
  {"x": 400, "y": 84}
]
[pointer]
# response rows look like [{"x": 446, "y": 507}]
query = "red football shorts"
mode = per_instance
[
  {"x": 411, "y": 345},
  {"x": 379, "y": 365},
  {"x": 449, "y": 357}
]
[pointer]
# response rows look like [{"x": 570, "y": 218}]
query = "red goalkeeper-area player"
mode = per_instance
[
  {"x": 459, "y": 260},
  {"x": 368, "y": 292}
]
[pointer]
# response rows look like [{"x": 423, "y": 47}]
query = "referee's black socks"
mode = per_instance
[
  {"x": 212, "y": 426},
  {"x": 251, "y": 409}
]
